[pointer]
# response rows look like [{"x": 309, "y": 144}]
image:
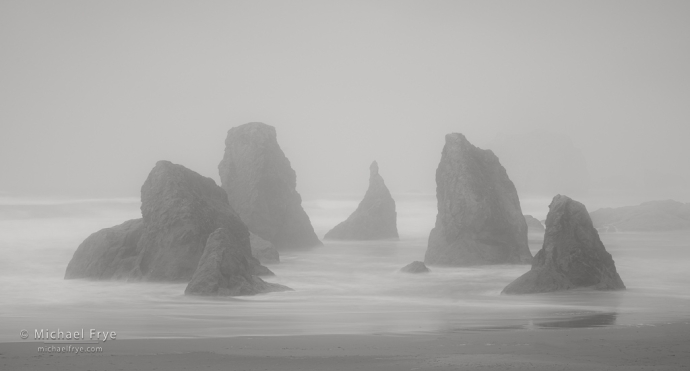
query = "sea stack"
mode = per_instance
[
  {"x": 180, "y": 209},
  {"x": 572, "y": 256},
  {"x": 261, "y": 187},
  {"x": 479, "y": 219},
  {"x": 224, "y": 269},
  {"x": 375, "y": 217}
]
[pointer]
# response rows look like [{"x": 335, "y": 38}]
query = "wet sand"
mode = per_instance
[{"x": 660, "y": 347}]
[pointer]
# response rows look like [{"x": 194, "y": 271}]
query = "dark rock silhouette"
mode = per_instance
[
  {"x": 375, "y": 217},
  {"x": 533, "y": 224},
  {"x": 224, "y": 269},
  {"x": 479, "y": 218},
  {"x": 572, "y": 256},
  {"x": 260, "y": 186},
  {"x": 263, "y": 250},
  {"x": 665, "y": 215},
  {"x": 415, "y": 267},
  {"x": 180, "y": 209}
]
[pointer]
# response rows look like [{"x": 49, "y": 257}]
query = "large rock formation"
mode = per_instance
[
  {"x": 260, "y": 186},
  {"x": 180, "y": 209},
  {"x": 665, "y": 215},
  {"x": 224, "y": 269},
  {"x": 533, "y": 224},
  {"x": 479, "y": 218},
  {"x": 375, "y": 217},
  {"x": 572, "y": 255},
  {"x": 415, "y": 267}
]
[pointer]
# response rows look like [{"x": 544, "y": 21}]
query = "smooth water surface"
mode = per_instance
[{"x": 342, "y": 287}]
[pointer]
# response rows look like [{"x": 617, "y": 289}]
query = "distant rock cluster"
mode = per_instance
[
  {"x": 572, "y": 256},
  {"x": 375, "y": 218},
  {"x": 216, "y": 239},
  {"x": 180, "y": 209},
  {"x": 650, "y": 216},
  {"x": 479, "y": 218},
  {"x": 190, "y": 231},
  {"x": 533, "y": 224}
]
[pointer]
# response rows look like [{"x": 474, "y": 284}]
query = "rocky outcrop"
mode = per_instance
[
  {"x": 533, "y": 224},
  {"x": 650, "y": 216},
  {"x": 263, "y": 250},
  {"x": 415, "y": 267},
  {"x": 180, "y": 209},
  {"x": 224, "y": 269},
  {"x": 375, "y": 217},
  {"x": 261, "y": 187},
  {"x": 479, "y": 218},
  {"x": 572, "y": 256},
  {"x": 111, "y": 253}
]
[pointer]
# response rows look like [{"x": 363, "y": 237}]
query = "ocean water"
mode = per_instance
[{"x": 342, "y": 287}]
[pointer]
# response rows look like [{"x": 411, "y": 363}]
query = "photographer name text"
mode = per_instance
[{"x": 93, "y": 335}]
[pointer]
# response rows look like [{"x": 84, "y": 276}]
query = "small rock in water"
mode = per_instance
[{"x": 415, "y": 267}]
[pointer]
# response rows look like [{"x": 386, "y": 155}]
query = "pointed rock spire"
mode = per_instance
[{"x": 375, "y": 217}]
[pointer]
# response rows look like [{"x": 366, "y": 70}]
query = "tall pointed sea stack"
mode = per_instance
[
  {"x": 572, "y": 255},
  {"x": 180, "y": 209},
  {"x": 375, "y": 217},
  {"x": 261, "y": 187},
  {"x": 479, "y": 218}
]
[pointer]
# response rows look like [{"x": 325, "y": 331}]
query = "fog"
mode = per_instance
[
  {"x": 94, "y": 93},
  {"x": 585, "y": 98}
]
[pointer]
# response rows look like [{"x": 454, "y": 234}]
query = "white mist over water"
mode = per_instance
[{"x": 342, "y": 287}]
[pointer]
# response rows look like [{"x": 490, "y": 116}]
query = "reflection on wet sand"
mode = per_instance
[{"x": 592, "y": 320}]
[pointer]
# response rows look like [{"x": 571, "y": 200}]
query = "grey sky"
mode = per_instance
[{"x": 92, "y": 94}]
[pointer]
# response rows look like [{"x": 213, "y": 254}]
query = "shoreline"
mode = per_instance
[{"x": 658, "y": 347}]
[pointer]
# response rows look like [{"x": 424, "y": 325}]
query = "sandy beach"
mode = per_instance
[{"x": 660, "y": 347}]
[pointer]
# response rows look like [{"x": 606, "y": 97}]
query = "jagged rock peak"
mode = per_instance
[
  {"x": 375, "y": 217},
  {"x": 261, "y": 187},
  {"x": 572, "y": 256},
  {"x": 225, "y": 270},
  {"x": 479, "y": 218}
]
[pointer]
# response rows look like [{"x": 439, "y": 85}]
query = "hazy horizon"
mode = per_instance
[{"x": 95, "y": 93}]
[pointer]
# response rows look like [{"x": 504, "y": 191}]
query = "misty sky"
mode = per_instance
[{"x": 92, "y": 94}]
